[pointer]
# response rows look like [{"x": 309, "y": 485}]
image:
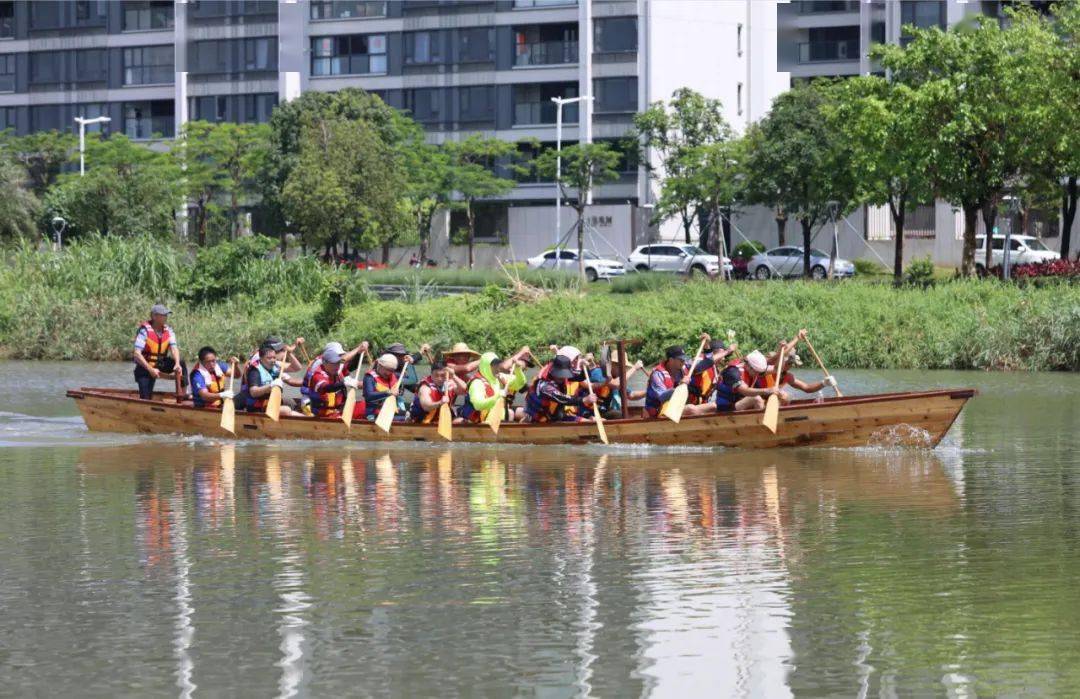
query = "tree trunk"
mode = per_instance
[
  {"x": 235, "y": 218},
  {"x": 1068, "y": 215},
  {"x": 472, "y": 231},
  {"x": 989, "y": 215},
  {"x": 284, "y": 243},
  {"x": 725, "y": 223},
  {"x": 200, "y": 225},
  {"x": 806, "y": 235},
  {"x": 898, "y": 215},
  {"x": 425, "y": 231},
  {"x": 971, "y": 218},
  {"x": 386, "y": 251},
  {"x": 687, "y": 223},
  {"x": 781, "y": 231},
  {"x": 581, "y": 244},
  {"x": 345, "y": 248}
]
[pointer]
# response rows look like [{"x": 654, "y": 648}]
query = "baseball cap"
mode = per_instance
[
  {"x": 275, "y": 342},
  {"x": 757, "y": 362},
  {"x": 331, "y": 356},
  {"x": 336, "y": 346},
  {"x": 675, "y": 352},
  {"x": 569, "y": 351},
  {"x": 388, "y": 361},
  {"x": 396, "y": 348},
  {"x": 160, "y": 309}
]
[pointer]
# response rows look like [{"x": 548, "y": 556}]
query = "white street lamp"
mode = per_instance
[
  {"x": 82, "y": 138},
  {"x": 559, "y": 102}
]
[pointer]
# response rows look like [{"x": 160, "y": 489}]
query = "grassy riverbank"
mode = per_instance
[{"x": 86, "y": 303}]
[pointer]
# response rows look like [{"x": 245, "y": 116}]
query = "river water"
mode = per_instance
[{"x": 179, "y": 566}]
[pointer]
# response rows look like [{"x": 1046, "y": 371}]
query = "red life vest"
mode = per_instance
[
  {"x": 702, "y": 385},
  {"x": 157, "y": 344},
  {"x": 325, "y": 403},
  {"x": 417, "y": 411}
]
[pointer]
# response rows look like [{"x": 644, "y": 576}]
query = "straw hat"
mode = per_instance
[{"x": 461, "y": 348}]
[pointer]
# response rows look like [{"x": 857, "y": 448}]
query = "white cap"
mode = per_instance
[
  {"x": 336, "y": 346},
  {"x": 569, "y": 351},
  {"x": 757, "y": 363},
  {"x": 388, "y": 361}
]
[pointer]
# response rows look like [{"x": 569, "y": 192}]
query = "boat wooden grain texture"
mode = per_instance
[{"x": 922, "y": 417}]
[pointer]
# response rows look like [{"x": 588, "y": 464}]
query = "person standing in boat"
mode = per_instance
[
  {"x": 380, "y": 385},
  {"x": 259, "y": 381},
  {"x": 156, "y": 353},
  {"x": 209, "y": 380}
]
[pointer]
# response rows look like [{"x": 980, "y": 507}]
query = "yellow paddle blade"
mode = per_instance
[
  {"x": 495, "y": 415},
  {"x": 273, "y": 406},
  {"x": 600, "y": 427},
  {"x": 228, "y": 416},
  {"x": 446, "y": 423},
  {"x": 673, "y": 409},
  {"x": 386, "y": 413},
  {"x": 772, "y": 414},
  {"x": 350, "y": 405}
]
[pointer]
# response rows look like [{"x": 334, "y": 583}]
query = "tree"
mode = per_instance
[
  {"x": 218, "y": 160},
  {"x": 963, "y": 77},
  {"x": 1064, "y": 165},
  {"x": 722, "y": 180},
  {"x": 884, "y": 125},
  {"x": 43, "y": 154},
  {"x": 677, "y": 132},
  {"x": 18, "y": 204},
  {"x": 584, "y": 166},
  {"x": 430, "y": 184},
  {"x": 472, "y": 164},
  {"x": 797, "y": 163},
  {"x": 128, "y": 189}
]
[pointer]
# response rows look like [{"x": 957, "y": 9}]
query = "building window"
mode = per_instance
[
  {"x": 615, "y": 95},
  {"x": 476, "y": 45},
  {"x": 355, "y": 54},
  {"x": 149, "y": 65},
  {"x": 145, "y": 16},
  {"x": 239, "y": 109},
  {"x": 830, "y": 44},
  {"x": 7, "y": 72},
  {"x": 924, "y": 14},
  {"x": 7, "y": 19},
  {"x": 49, "y": 68},
  {"x": 738, "y": 39},
  {"x": 353, "y": 9},
  {"x": 738, "y": 98},
  {"x": 91, "y": 66},
  {"x": 61, "y": 117},
  {"x": 533, "y": 105},
  {"x": 143, "y": 120},
  {"x": 45, "y": 67},
  {"x": 528, "y": 4},
  {"x": 425, "y": 104},
  {"x": 7, "y": 118},
  {"x": 615, "y": 35},
  {"x": 546, "y": 44},
  {"x": 476, "y": 105},
  {"x": 423, "y": 48},
  {"x": 202, "y": 9},
  {"x": 230, "y": 56}
]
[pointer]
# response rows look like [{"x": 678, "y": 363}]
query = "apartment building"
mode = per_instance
[{"x": 458, "y": 66}]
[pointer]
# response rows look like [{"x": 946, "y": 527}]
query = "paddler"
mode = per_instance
[
  {"x": 707, "y": 373},
  {"x": 439, "y": 387},
  {"x": 381, "y": 384},
  {"x": 210, "y": 379},
  {"x": 156, "y": 351},
  {"x": 260, "y": 380},
  {"x": 292, "y": 362},
  {"x": 480, "y": 395},
  {"x": 398, "y": 350},
  {"x": 606, "y": 386},
  {"x": 550, "y": 396},
  {"x": 791, "y": 359},
  {"x": 327, "y": 385},
  {"x": 347, "y": 359},
  {"x": 738, "y": 385},
  {"x": 462, "y": 360}
]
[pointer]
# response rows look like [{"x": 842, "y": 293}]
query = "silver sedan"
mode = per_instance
[{"x": 787, "y": 261}]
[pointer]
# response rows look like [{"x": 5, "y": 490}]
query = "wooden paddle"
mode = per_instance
[
  {"x": 273, "y": 404},
  {"x": 495, "y": 415},
  {"x": 820, "y": 364},
  {"x": 596, "y": 410},
  {"x": 446, "y": 418},
  {"x": 389, "y": 406},
  {"x": 772, "y": 406},
  {"x": 350, "y": 396},
  {"x": 673, "y": 409},
  {"x": 228, "y": 407}
]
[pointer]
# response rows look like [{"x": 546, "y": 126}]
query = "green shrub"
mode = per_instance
[
  {"x": 636, "y": 282},
  {"x": 867, "y": 267},
  {"x": 920, "y": 272},
  {"x": 748, "y": 249},
  {"x": 243, "y": 267}
]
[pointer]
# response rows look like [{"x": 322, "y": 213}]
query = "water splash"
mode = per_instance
[{"x": 902, "y": 435}]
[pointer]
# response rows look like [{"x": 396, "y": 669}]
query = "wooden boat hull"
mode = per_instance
[{"x": 921, "y": 418}]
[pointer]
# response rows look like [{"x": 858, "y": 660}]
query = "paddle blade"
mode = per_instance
[
  {"x": 386, "y": 413},
  {"x": 518, "y": 381},
  {"x": 228, "y": 416},
  {"x": 273, "y": 405},
  {"x": 673, "y": 409},
  {"x": 446, "y": 423},
  {"x": 350, "y": 406},
  {"x": 600, "y": 427},
  {"x": 772, "y": 414},
  {"x": 495, "y": 415}
]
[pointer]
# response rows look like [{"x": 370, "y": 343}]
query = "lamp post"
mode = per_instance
[
  {"x": 834, "y": 210},
  {"x": 58, "y": 226},
  {"x": 559, "y": 102},
  {"x": 1006, "y": 254},
  {"x": 82, "y": 122}
]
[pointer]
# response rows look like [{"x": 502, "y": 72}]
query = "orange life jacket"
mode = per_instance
[{"x": 157, "y": 344}]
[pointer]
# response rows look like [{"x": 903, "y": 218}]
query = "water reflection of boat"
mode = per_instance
[{"x": 920, "y": 417}]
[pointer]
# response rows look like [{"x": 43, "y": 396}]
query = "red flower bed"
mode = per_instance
[{"x": 1069, "y": 269}]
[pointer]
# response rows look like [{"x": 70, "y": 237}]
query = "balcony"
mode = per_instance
[
  {"x": 546, "y": 53},
  {"x": 816, "y": 7},
  {"x": 829, "y": 51}
]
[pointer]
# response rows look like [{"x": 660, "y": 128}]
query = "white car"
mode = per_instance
[
  {"x": 676, "y": 257},
  {"x": 787, "y": 261},
  {"x": 596, "y": 267},
  {"x": 1023, "y": 249}
]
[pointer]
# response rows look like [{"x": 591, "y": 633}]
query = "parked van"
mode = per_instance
[{"x": 1023, "y": 249}]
